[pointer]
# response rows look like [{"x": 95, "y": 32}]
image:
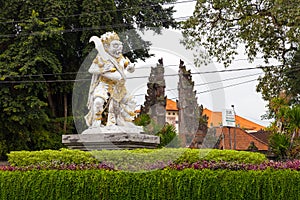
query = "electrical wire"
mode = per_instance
[
  {"x": 228, "y": 86},
  {"x": 220, "y": 81},
  {"x": 134, "y": 77},
  {"x": 46, "y": 81},
  {"x": 74, "y": 30},
  {"x": 220, "y": 88},
  {"x": 96, "y": 13}
]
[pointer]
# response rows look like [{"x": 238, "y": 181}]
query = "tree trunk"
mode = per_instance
[
  {"x": 65, "y": 112},
  {"x": 51, "y": 103}
]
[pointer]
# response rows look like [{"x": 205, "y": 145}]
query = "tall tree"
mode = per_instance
[
  {"x": 23, "y": 91},
  {"x": 282, "y": 79},
  {"x": 270, "y": 28},
  {"x": 43, "y": 42}
]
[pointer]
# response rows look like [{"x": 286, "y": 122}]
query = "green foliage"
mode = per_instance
[
  {"x": 194, "y": 155},
  {"x": 294, "y": 152},
  {"x": 282, "y": 78},
  {"x": 285, "y": 138},
  {"x": 225, "y": 24},
  {"x": 45, "y": 41},
  {"x": 142, "y": 120},
  {"x": 136, "y": 159},
  {"x": 292, "y": 116},
  {"x": 280, "y": 144},
  {"x": 268, "y": 29},
  {"x": 167, "y": 134},
  {"x": 162, "y": 184},
  {"x": 252, "y": 147},
  {"x": 46, "y": 157}
]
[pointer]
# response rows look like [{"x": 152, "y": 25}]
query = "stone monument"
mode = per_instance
[
  {"x": 155, "y": 99},
  {"x": 192, "y": 124},
  {"x": 107, "y": 92}
]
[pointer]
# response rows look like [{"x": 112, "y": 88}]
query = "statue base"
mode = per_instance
[{"x": 110, "y": 138}]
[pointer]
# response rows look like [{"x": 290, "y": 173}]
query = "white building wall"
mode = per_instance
[{"x": 172, "y": 118}]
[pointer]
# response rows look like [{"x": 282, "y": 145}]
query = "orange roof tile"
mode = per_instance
[
  {"x": 171, "y": 105},
  {"x": 243, "y": 139},
  {"x": 215, "y": 119}
]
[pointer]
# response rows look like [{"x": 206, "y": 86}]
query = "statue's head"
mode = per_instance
[{"x": 112, "y": 44}]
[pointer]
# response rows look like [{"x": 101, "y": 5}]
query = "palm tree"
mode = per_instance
[{"x": 292, "y": 115}]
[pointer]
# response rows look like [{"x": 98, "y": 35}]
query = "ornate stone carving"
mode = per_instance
[
  {"x": 107, "y": 89},
  {"x": 192, "y": 125},
  {"x": 155, "y": 100}
]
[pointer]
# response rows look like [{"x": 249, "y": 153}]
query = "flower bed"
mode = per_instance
[
  {"x": 132, "y": 160},
  {"x": 224, "y": 175},
  {"x": 200, "y": 165}
]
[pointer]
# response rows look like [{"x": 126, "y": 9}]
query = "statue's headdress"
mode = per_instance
[{"x": 107, "y": 37}]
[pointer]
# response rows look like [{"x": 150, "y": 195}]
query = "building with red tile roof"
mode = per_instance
[
  {"x": 246, "y": 133},
  {"x": 215, "y": 120},
  {"x": 238, "y": 139}
]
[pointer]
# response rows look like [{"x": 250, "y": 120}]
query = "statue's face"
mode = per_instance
[{"x": 115, "y": 48}]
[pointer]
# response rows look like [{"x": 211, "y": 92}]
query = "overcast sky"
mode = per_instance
[{"x": 247, "y": 102}]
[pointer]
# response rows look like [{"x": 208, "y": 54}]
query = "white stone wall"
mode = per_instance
[{"x": 172, "y": 118}]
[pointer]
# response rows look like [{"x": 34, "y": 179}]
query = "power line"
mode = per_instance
[
  {"x": 46, "y": 81},
  {"x": 134, "y": 77},
  {"x": 74, "y": 30},
  {"x": 72, "y": 73},
  {"x": 219, "y": 81},
  {"x": 9, "y": 21},
  {"x": 207, "y": 72},
  {"x": 40, "y": 75},
  {"x": 220, "y": 88},
  {"x": 232, "y": 85},
  {"x": 139, "y": 68},
  {"x": 228, "y": 70}
]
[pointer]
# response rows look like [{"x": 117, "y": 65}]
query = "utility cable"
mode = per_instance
[
  {"x": 134, "y": 77},
  {"x": 96, "y": 13},
  {"x": 80, "y": 29},
  {"x": 221, "y": 81},
  {"x": 220, "y": 88},
  {"x": 215, "y": 88}
]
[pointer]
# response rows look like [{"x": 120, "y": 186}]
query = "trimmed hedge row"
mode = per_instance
[
  {"x": 128, "y": 158},
  {"x": 161, "y": 184},
  {"x": 66, "y": 156}
]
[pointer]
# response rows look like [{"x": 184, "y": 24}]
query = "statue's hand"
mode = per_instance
[
  {"x": 108, "y": 67},
  {"x": 131, "y": 68}
]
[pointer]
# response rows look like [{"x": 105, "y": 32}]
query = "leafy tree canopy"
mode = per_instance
[
  {"x": 41, "y": 42},
  {"x": 270, "y": 27},
  {"x": 267, "y": 28},
  {"x": 283, "y": 79}
]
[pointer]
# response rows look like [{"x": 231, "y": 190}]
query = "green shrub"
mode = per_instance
[
  {"x": 280, "y": 144},
  {"x": 142, "y": 120},
  {"x": 67, "y": 156},
  {"x": 166, "y": 134},
  {"x": 161, "y": 184},
  {"x": 132, "y": 159},
  {"x": 194, "y": 155}
]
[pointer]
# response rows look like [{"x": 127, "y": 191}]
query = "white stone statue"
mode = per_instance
[{"x": 107, "y": 89}]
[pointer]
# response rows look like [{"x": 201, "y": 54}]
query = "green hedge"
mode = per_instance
[
  {"x": 130, "y": 158},
  {"x": 162, "y": 184},
  {"x": 26, "y": 158}
]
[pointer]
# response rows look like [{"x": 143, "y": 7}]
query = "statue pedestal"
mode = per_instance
[{"x": 105, "y": 138}]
